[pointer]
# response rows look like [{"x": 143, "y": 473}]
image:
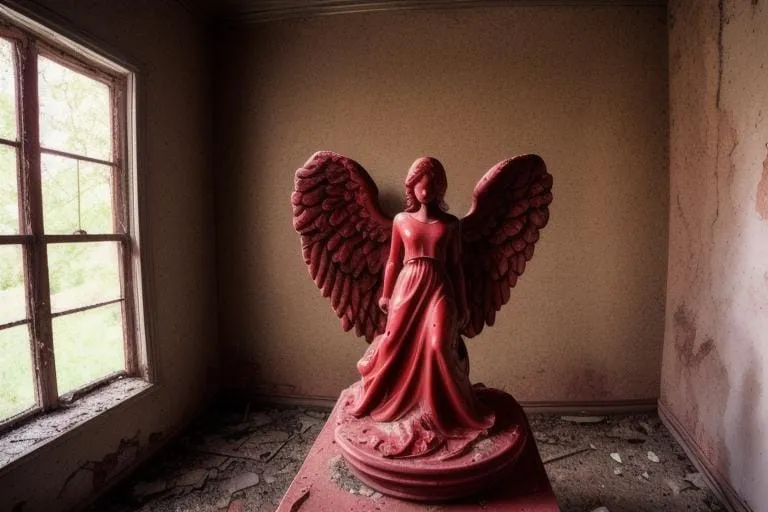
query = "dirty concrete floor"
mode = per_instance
[{"x": 243, "y": 461}]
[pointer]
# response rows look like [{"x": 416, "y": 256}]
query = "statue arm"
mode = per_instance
[
  {"x": 392, "y": 269},
  {"x": 457, "y": 276}
]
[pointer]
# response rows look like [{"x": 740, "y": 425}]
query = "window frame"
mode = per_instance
[{"x": 32, "y": 39}]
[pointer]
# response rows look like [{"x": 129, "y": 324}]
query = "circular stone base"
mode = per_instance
[{"x": 437, "y": 477}]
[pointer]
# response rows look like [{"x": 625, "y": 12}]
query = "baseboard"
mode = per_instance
[
  {"x": 716, "y": 480},
  {"x": 531, "y": 407},
  {"x": 296, "y": 400},
  {"x": 593, "y": 408}
]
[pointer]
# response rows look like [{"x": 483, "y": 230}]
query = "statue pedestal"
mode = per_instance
[{"x": 313, "y": 490}]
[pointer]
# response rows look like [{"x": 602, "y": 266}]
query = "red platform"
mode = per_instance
[{"x": 313, "y": 490}]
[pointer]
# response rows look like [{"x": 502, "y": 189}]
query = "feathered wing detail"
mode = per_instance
[
  {"x": 345, "y": 237},
  {"x": 510, "y": 206}
]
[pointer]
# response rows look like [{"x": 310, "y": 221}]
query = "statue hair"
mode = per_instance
[{"x": 422, "y": 167}]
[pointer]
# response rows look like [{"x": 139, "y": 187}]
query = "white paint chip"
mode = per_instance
[{"x": 697, "y": 479}]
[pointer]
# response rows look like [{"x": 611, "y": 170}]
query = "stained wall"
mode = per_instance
[
  {"x": 715, "y": 363},
  {"x": 169, "y": 47},
  {"x": 585, "y": 87}
]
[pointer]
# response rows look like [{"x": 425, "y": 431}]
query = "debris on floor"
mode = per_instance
[
  {"x": 244, "y": 460},
  {"x": 636, "y": 466},
  {"x": 228, "y": 461}
]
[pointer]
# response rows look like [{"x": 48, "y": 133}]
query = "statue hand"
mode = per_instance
[{"x": 384, "y": 304}]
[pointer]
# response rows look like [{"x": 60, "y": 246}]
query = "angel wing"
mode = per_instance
[
  {"x": 510, "y": 206},
  {"x": 345, "y": 237}
]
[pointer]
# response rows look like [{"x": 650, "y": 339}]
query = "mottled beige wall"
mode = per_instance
[
  {"x": 170, "y": 47},
  {"x": 585, "y": 87},
  {"x": 715, "y": 366}
]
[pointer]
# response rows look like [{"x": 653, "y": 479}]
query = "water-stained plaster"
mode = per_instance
[
  {"x": 715, "y": 361},
  {"x": 761, "y": 202}
]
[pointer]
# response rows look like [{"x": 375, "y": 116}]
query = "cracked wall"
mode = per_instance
[
  {"x": 585, "y": 87},
  {"x": 715, "y": 363},
  {"x": 169, "y": 47}
]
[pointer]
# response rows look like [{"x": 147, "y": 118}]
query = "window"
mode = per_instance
[{"x": 69, "y": 260}]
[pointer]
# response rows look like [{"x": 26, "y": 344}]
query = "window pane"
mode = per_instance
[
  {"x": 88, "y": 346},
  {"x": 76, "y": 196},
  {"x": 74, "y": 111},
  {"x": 17, "y": 385},
  {"x": 83, "y": 274},
  {"x": 9, "y": 192},
  {"x": 7, "y": 91},
  {"x": 13, "y": 302}
]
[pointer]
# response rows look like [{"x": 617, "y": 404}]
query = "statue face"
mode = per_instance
[{"x": 425, "y": 190}]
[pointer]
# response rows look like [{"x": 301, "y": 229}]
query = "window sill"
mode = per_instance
[{"x": 22, "y": 441}]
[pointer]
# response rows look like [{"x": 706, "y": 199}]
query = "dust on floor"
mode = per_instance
[{"x": 244, "y": 461}]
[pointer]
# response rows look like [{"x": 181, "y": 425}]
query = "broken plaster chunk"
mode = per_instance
[
  {"x": 213, "y": 461},
  {"x": 146, "y": 489},
  {"x": 259, "y": 419},
  {"x": 223, "y": 502},
  {"x": 646, "y": 475},
  {"x": 241, "y": 482},
  {"x": 601, "y": 509},
  {"x": 366, "y": 491},
  {"x": 269, "y": 479},
  {"x": 195, "y": 479},
  {"x": 583, "y": 419},
  {"x": 615, "y": 456},
  {"x": 653, "y": 457},
  {"x": 273, "y": 436},
  {"x": 672, "y": 484},
  {"x": 617, "y": 471},
  {"x": 697, "y": 479}
]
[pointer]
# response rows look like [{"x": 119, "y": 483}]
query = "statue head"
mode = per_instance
[{"x": 427, "y": 173}]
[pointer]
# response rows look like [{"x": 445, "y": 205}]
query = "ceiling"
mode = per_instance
[{"x": 257, "y": 11}]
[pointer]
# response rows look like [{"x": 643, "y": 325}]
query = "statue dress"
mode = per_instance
[{"x": 417, "y": 372}]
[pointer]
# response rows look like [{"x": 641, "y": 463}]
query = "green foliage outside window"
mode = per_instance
[{"x": 75, "y": 117}]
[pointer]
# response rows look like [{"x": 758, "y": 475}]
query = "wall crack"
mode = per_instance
[{"x": 722, "y": 21}]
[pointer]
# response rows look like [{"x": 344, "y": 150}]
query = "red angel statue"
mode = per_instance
[{"x": 412, "y": 286}]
